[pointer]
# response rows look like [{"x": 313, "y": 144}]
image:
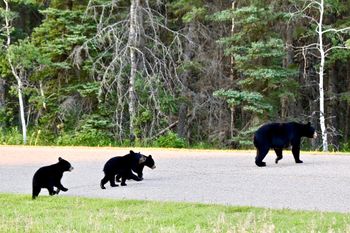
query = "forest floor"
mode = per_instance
[{"x": 227, "y": 177}]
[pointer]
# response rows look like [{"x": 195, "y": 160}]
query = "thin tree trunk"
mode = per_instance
[
  {"x": 20, "y": 100},
  {"x": 135, "y": 4},
  {"x": 232, "y": 59},
  {"x": 347, "y": 114},
  {"x": 2, "y": 93},
  {"x": 15, "y": 74},
  {"x": 288, "y": 61},
  {"x": 188, "y": 57},
  {"x": 321, "y": 80}
]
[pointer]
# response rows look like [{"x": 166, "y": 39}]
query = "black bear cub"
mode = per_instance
[
  {"x": 122, "y": 166},
  {"x": 49, "y": 177},
  {"x": 279, "y": 136},
  {"x": 138, "y": 167}
]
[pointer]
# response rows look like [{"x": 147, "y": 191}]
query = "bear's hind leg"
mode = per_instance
[
  {"x": 279, "y": 154},
  {"x": 36, "y": 191},
  {"x": 51, "y": 190},
  {"x": 112, "y": 181},
  {"x": 104, "y": 181},
  {"x": 260, "y": 155}
]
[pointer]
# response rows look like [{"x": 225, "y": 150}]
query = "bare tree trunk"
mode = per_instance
[
  {"x": 188, "y": 57},
  {"x": 182, "y": 122},
  {"x": 347, "y": 113},
  {"x": 133, "y": 37},
  {"x": 20, "y": 100},
  {"x": 2, "y": 93},
  {"x": 232, "y": 59},
  {"x": 15, "y": 74},
  {"x": 285, "y": 101},
  {"x": 324, "y": 50},
  {"x": 321, "y": 79}
]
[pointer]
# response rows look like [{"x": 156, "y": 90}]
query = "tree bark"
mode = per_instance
[
  {"x": 2, "y": 93},
  {"x": 20, "y": 100},
  {"x": 188, "y": 57},
  {"x": 16, "y": 75},
  {"x": 347, "y": 113},
  {"x": 133, "y": 37},
  {"x": 321, "y": 79}
]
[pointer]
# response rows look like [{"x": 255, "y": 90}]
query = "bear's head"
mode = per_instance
[
  {"x": 149, "y": 162},
  {"x": 143, "y": 159},
  {"x": 309, "y": 131},
  {"x": 64, "y": 164}
]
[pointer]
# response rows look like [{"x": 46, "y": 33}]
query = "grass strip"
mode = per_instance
[{"x": 18, "y": 213}]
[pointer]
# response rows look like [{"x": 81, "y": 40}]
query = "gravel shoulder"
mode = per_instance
[{"x": 321, "y": 183}]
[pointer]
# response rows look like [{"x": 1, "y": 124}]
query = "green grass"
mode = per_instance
[{"x": 18, "y": 213}]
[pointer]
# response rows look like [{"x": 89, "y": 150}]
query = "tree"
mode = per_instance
[
  {"x": 314, "y": 11},
  {"x": 258, "y": 51},
  {"x": 17, "y": 73},
  {"x": 134, "y": 58}
]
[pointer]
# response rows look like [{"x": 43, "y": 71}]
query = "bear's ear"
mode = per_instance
[
  {"x": 309, "y": 123},
  {"x": 60, "y": 159},
  {"x": 142, "y": 159},
  {"x": 131, "y": 152},
  {"x": 150, "y": 156}
]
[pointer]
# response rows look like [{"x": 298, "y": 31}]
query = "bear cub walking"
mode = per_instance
[
  {"x": 138, "y": 167},
  {"x": 49, "y": 177},
  {"x": 122, "y": 166},
  {"x": 279, "y": 136}
]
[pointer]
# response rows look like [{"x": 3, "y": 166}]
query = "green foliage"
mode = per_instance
[
  {"x": 244, "y": 138},
  {"x": 347, "y": 43},
  {"x": 91, "y": 137},
  {"x": 250, "y": 101},
  {"x": 170, "y": 140},
  {"x": 189, "y": 10},
  {"x": 60, "y": 32},
  {"x": 196, "y": 13},
  {"x": 11, "y": 136},
  {"x": 25, "y": 55},
  {"x": 45, "y": 33}
]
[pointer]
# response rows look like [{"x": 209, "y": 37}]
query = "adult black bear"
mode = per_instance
[
  {"x": 279, "y": 136},
  {"x": 49, "y": 177},
  {"x": 138, "y": 167},
  {"x": 121, "y": 165}
]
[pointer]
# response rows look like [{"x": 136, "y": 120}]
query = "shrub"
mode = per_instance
[{"x": 170, "y": 140}]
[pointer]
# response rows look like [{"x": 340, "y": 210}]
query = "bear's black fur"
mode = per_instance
[
  {"x": 121, "y": 165},
  {"x": 138, "y": 168},
  {"x": 49, "y": 177},
  {"x": 279, "y": 136}
]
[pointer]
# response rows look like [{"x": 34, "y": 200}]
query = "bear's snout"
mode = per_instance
[
  {"x": 71, "y": 168},
  {"x": 154, "y": 166},
  {"x": 315, "y": 135}
]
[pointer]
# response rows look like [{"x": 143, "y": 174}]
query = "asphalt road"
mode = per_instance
[{"x": 321, "y": 183}]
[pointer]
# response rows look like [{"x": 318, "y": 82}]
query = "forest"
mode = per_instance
[{"x": 177, "y": 73}]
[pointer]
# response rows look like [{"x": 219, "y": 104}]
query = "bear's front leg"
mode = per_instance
[
  {"x": 117, "y": 178},
  {"x": 138, "y": 171},
  {"x": 123, "y": 180},
  {"x": 60, "y": 187},
  {"x": 134, "y": 177},
  {"x": 296, "y": 153}
]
